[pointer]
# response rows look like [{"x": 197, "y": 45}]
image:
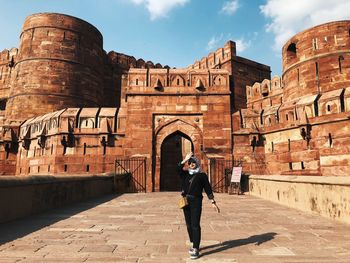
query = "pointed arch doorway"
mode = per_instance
[
  {"x": 177, "y": 127},
  {"x": 173, "y": 150}
]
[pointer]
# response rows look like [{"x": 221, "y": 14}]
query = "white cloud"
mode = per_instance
[
  {"x": 218, "y": 41},
  {"x": 242, "y": 44},
  {"x": 214, "y": 42},
  {"x": 230, "y": 7},
  {"x": 159, "y": 8},
  {"x": 288, "y": 17}
]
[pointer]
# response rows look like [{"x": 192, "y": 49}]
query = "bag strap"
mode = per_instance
[{"x": 191, "y": 181}]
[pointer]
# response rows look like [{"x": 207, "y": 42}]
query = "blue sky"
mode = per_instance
[{"x": 177, "y": 32}]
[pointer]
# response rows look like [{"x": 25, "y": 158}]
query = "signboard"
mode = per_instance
[{"x": 236, "y": 175}]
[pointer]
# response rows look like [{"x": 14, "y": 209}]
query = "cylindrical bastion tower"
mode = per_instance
[
  {"x": 317, "y": 60},
  {"x": 60, "y": 64}
]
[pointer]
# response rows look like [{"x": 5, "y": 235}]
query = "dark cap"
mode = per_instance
[{"x": 192, "y": 160}]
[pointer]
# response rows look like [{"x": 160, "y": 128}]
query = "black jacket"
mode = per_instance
[{"x": 200, "y": 182}]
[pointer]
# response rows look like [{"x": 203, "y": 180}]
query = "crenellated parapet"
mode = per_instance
[
  {"x": 272, "y": 110},
  {"x": 8, "y": 59},
  {"x": 242, "y": 71},
  {"x": 217, "y": 58},
  {"x": 266, "y": 93},
  {"x": 177, "y": 81},
  {"x": 72, "y": 120},
  {"x": 70, "y": 140},
  {"x": 125, "y": 62}
]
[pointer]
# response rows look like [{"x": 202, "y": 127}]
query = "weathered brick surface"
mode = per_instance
[
  {"x": 303, "y": 117},
  {"x": 295, "y": 124},
  {"x": 59, "y": 64},
  {"x": 327, "y": 45}
]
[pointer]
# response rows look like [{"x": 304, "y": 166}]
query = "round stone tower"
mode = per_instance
[
  {"x": 317, "y": 60},
  {"x": 59, "y": 64}
]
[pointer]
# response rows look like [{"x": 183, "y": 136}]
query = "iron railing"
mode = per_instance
[
  {"x": 220, "y": 173},
  {"x": 132, "y": 172}
]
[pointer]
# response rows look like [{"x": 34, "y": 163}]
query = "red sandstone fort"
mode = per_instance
[{"x": 69, "y": 107}]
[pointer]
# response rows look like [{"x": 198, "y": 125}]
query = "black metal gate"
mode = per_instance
[
  {"x": 220, "y": 173},
  {"x": 130, "y": 174}
]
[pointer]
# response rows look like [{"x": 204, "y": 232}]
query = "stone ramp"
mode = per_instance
[{"x": 147, "y": 228}]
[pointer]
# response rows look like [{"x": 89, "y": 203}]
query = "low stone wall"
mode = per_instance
[
  {"x": 325, "y": 195},
  {"x": 23, "y": 196}
]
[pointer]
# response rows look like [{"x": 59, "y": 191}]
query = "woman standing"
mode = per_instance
[{"x": 193, "y": 182}]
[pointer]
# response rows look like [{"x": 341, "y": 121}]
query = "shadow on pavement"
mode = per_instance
[
  {"x": 21, "y": 227},
  {"x": 257, "y": 239}
]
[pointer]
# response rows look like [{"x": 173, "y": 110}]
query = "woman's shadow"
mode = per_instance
[{"x": 257, "y": 239}]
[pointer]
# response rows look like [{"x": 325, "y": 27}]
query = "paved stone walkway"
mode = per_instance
[{"x": 147, "y": 228}]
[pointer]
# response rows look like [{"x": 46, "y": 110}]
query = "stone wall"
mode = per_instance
[
  {"x": 71, "y": 141},
  {"x": 242, "y": 72},
  {"x": 161, "y": 102},
  {"x": 300, "y": 122},
  {"x": 24, "y": 196},
  {"x": 326, "y": 196},
  {"x": 317, "y": 60},
  {"x": 7, "y": 60},
  {"x": 59, "y": 64}
]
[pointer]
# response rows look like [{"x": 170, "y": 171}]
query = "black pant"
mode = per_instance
[{"x": 192, "y": 214}]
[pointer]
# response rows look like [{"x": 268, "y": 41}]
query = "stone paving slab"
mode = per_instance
[{"x": 147, "y": 228}]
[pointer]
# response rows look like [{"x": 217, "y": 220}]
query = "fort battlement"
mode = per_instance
[
  {"x": 317, "y": 60},
  {"x": 265, "y": 93},
  {"x": 7, "y": 62},
  {"x": 75, "y": 134},
  {"x": 57, "y": 54},
  {"x": 214, "y": 59},
  {"x": 178, "y": 80},
  {"x": 64, "y": 101},
  {"x": 125, "y": 62},
  {"x": 272, "y": 110},
  {"x": 7, "y": 55},
  {"x": 299, "y": 121}
]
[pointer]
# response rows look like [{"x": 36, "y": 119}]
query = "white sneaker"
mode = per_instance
[{"x": 194, "y": 254}]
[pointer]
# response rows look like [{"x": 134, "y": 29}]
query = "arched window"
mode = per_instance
[
  {"x": 137, "y": 82},
  {"x": 328, "y": 108},
  {"x": 292, "y": 50},
  {"x": 265, "y": 90}
]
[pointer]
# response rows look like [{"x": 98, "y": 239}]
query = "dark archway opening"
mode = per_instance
[{"x": 173, "y": 150}]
